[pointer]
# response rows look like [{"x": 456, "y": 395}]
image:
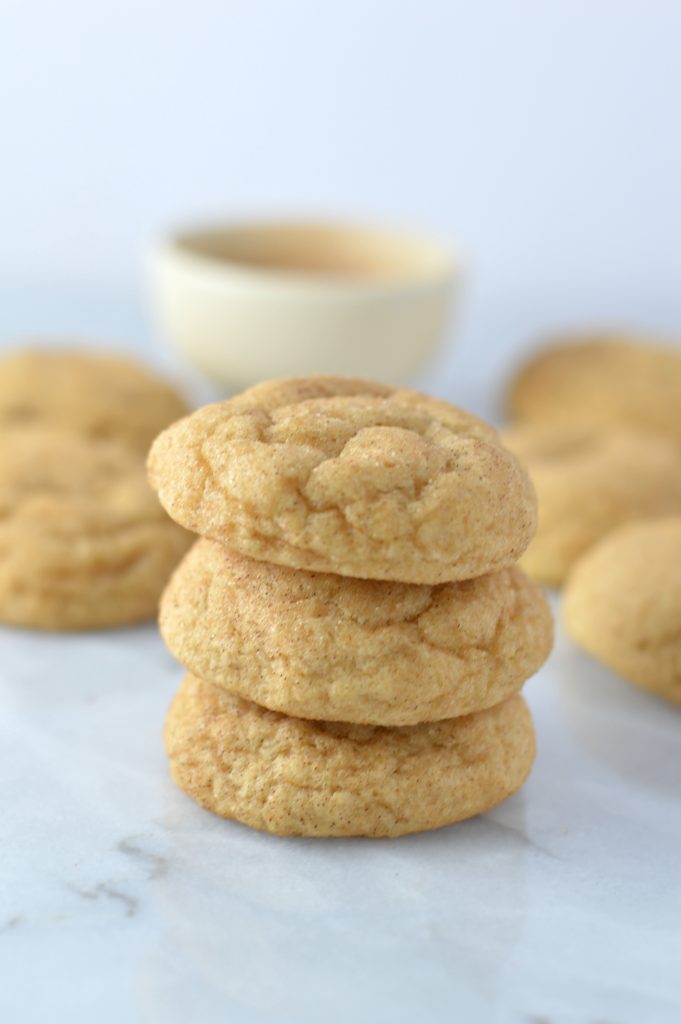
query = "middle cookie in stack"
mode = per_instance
[{"x": 403, "y": 680}]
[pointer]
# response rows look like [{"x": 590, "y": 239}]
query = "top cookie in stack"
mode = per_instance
[
  {"x": 319, "y": 704},
  {"x": 346, "y": 476}
]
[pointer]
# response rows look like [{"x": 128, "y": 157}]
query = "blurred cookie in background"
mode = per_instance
[
  {"x": 84, "y": 542},
  {"x": 589, "y": 482},
  {"x": 100, "y": 396},
  {"x": 623, "y": 604},
  {"x": 601, "y": 380}
]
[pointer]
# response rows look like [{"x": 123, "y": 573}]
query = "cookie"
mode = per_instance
[
  {"x": 623, "y": 604},
  {"x": 602, "y": 381},
  {"x": 100, "y": 396},
  {"x": 83, "y": 540},
  {"x": 366, "y": 651},
  {"x": 295, "y": 777},
  {"x": 589, "y": 482},
  {"x": 361, "y": 481}
]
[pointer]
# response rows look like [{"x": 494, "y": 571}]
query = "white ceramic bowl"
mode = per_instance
[{"x": 244, "y": 302}]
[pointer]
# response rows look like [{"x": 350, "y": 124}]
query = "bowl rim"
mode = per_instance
[{"x": 440, "y": 261}]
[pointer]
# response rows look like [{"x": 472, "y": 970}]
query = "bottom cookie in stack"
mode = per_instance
[{"x": 295, "y": 776}]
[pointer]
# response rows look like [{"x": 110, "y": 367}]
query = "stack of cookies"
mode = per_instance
[{"x": 354, "y": 626}]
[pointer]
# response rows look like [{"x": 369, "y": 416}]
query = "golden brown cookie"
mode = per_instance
[
  {"x": 100, "y": 396},
  {"x": 83, "y": 540},
  {"x": 602, "y": 381},
  {"x": 325, "y": 646},
  {"x": 377, "y": 485},
  {"x": 589, "y": 482},
  {"x": 623, "y": 604},
  {"x": 295, "y": 777}
]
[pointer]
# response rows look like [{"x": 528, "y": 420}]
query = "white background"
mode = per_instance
[{"x": 542, "y": 138}]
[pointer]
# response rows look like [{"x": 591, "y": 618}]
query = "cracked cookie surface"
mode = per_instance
[
  {"x": 603, "y": 381},
  {"x": 99, "y": 396},
  {"x": 360, "y": 480},
  {"x": 296, "y": 777},
  {"x": 623, "y": 604},
  {"x": 331, "y": 647},
  {"x": 588, "y": 483},
  {"x": 83, "y": 541}
]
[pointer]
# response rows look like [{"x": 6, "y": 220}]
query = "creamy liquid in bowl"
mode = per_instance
[{"x": 317, "y": 250}]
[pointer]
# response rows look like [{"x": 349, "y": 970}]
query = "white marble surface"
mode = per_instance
[{"x": 121, "y": 901}]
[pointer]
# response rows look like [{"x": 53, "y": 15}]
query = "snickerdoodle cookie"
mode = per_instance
[
  {"x": 623, "y": 604},
  {"x": 589, "y": 482},
  {"x": 326, "y": 646},
  {"x": 296, "y": 777},
  {"x": 361, "y": 481},
  {"x": 83, "y": 540},
  {"x": 602, "y": 381},
  {"x": 100, "y": 396}
]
